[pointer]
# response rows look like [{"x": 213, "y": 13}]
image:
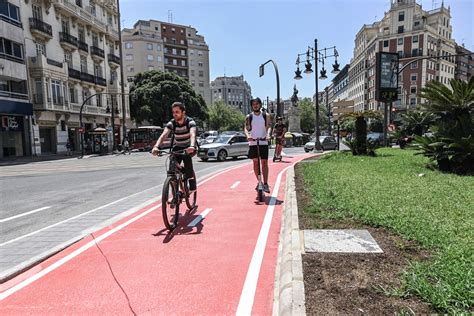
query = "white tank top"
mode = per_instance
[{"x": 259, "y": 130}]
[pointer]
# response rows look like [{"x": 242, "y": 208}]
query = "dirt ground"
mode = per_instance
[{"x": 356, "y": 284}]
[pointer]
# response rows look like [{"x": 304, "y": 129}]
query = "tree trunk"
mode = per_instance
[{"x": 361, "y": 135}]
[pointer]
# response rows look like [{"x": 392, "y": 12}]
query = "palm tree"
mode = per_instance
[
  {"x": 417, "y": 122},
  {"x": 360, "y": 142}
]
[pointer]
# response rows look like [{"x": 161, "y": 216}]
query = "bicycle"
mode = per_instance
[{"x": 175, "y": 189}]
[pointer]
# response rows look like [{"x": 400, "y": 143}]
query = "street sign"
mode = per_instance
[
  {"x": 386, "y": 85},
  {"x": 81, "y": 130},
  {"x": 391, "y": 127}
]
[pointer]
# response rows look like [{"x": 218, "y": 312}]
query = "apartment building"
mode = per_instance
[
  {"x": 233, "y": 91},
  {"x": 72, "y": 52},
  {"x": 156, "y": 45},
  {"x": 464, "y": 64},
  {"x": 411, "y": 32},
  {"x": 15, "y": 108}
]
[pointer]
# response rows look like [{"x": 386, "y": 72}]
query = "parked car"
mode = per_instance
[
  {"x": 207, "y": 140},
  {"x": 225, "y": 146},
  {"x": 377, "y": 138},
  {"x": 327, "y": 143},
  {"x": 230, "y": 133},
  {"x": 203, "y": 138}
]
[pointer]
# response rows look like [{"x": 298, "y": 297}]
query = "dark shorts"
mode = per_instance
[
  {"x": 279, "y": 140},
  {"x": 263, "y": 152},
  {"x": 187, "y": 161}
]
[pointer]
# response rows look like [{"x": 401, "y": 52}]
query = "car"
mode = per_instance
[
  {"x": 230, "y": 133},
  {"x": 223, "y": 147},
  {"x": 327, "y": 143},
  {"x": 376, "y": 138}
]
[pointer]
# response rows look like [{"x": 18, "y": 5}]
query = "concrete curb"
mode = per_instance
[{"x": 289, "y": 297}]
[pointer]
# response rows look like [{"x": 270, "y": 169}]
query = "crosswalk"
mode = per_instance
[{"x": 135, "y": 160}]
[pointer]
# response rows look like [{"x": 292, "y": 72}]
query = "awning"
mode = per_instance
[{"x": 15, "y": 107}]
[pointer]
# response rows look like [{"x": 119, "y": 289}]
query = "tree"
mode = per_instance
[
  {"x": 452, "y": 145},
  {"x": 417, "y": 122},
  {"x": 153, "y": 92},
  {"x": 359, "y": 144},
  {"x": 308, "y": 116},
  {"x": 225, "y": 118}
]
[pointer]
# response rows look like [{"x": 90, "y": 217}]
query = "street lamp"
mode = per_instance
[
  {"x": 262, "y": 72},
  {"x": 317, "y": 56}
]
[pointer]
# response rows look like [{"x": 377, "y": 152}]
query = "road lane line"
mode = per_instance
[
  {"x": 72, "y": 255},
  {"x": 109, "y": 204},
  {"x": 24, "y": 214},
  {"x": 80, "y": 250},
  {"x": 250, "y": 285},
  {"x": 200, "y": 217},
  {"x": 236, "y": 184}
]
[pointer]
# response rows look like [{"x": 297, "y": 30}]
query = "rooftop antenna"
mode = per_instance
[{"x": 170, "y": 16}]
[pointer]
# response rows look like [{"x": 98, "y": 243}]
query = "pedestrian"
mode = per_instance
[
  {"x": 68, "y": 147},
  {"x": 126, "y": 146}
]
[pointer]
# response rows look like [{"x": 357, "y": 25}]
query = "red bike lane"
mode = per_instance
[{"x": 222, "y": 264}]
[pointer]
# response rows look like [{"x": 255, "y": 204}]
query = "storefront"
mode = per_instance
[{"x": 14, "y": 128}]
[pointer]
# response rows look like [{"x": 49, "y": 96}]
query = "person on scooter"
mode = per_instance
[
  {"x": 257, "y": 125},
  {"x": 279, "y": 131}
]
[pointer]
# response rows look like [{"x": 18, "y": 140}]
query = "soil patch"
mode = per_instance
[{"x": 354, "y": 284}]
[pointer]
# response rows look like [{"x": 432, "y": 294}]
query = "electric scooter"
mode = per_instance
[
  {"x": 277, "y": 153},
  {"x": 260, "y": 192}
]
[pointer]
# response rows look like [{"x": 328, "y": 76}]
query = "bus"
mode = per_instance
[{"x": 145, "y": 137}]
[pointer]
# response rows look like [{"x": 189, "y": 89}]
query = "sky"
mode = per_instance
[{"x": 242, "y": 34}]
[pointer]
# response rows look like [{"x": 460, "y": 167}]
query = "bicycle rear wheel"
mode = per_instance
[
  {"x": 170, "y": 203},
  {"x": 191, "y": 198}
]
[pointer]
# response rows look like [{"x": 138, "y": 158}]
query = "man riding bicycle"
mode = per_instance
[
  {"x": 257, "y": 125},
  {"x": 184, "y": 138},
  {"x": 279, "y": 131}
]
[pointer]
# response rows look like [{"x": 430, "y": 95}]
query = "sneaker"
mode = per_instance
[
  {"x": 256, "y": 188},
  {"x": 266, "y": 188}
]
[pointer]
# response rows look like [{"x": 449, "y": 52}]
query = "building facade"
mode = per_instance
[
  {"x": 233, "y": 91},
  {"x": 156, "y": 45},
  {"x": 411, "y": 32},
  {"x": 72, "y": 52},
  {"x": 464, "y": 64},
  {"x": 15, "y": 108}
]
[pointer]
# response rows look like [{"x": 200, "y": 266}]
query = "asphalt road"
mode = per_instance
[{"x": 40, "y": 194}]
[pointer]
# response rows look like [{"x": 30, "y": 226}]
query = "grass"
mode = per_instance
[{"x": 397, "y": 191}]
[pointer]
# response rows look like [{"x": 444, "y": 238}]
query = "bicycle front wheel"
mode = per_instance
[{"x": 170, "y": 203}]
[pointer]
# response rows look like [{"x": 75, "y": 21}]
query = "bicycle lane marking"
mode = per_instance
[{"x": 118, "y": 226}]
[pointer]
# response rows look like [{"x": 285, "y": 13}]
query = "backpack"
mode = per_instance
[{"x": 250, "y": 117}]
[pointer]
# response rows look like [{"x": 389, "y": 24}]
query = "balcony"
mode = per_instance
[
  {"x": 87, "y": 77},
  {"x": 113, "y": 59},
  {"x": 67, "y": 41},
  {"x": 97, "y": 53},
  {"x": 75, "y": 74},
  {"x": 100, "y": 81},
  {"x": 41, "y": 29},
  {"x": 83, "y": 46}
]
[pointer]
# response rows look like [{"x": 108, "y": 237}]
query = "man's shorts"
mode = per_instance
[
  {"x": 279, "y": 140},
  {"x": 263, "y": 152}
]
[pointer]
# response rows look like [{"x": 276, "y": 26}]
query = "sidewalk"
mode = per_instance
[
  {"x": 220, "y": 260},
  {"x": 52, "y": 157}
]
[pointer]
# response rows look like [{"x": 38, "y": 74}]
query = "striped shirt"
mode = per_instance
[{"x": 182, "y": 135}]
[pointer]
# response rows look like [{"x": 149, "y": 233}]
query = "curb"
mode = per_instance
[{"x": 289, "y": 296}]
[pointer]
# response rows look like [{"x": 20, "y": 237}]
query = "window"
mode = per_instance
[
  {"x": 400, "y": 54},
  {"x": 193, "y": 82},
  {"x": 93, "y": 9},
  {"x": 401, "y": 29},
  {"x": 37, "y": 13},
  {"x": 181, "y": 42},
  {"x": 165, "y": 39},
  {"x": 151, "y": 67},
  {"x": 173, "y": 29},
  {"x": 182, "y": 31},
  {"x": 56, "y": 88},
  {"x": 414, "y": 52},
  {"x": 417, "y": 23},
  {"x": 199, "y": 53},
  {"x": 201, "y": 73},
  {"x": 158, "y": 47},
  {"x": 83, "y": 64},
  {"x": 192, "y": 72},
  {"x": 109, "y": 19},
  {"x": 413, "y": 77},
  {"x": 401, "y": 16},
  {"x": 385, "y": 43},
  {"x": 165, "y": 50},
  {"x": 173, "y": 40},
  {"x": 200, "y": 64},
  {"x": 40, "y": 48},
  {"x": 158, "y": 58},
  {"x": 175, "y": 62},
  {"x": 191, "y": 62},
  {"x": 400, "y": 41},
  {"x": 414, "y": 65},
  {"x": 174, "y": 51},
  {"x": 129, "y": 57},
  {"x": 166, "y": 61},
  {"x": 201, "y": 83},
  {"x": 415, "y": 39},
  {"x": 412, "y": 101},
  {"x": 183, "y": 52},
  {"x": 413, "y": 90},
  {"x": 11, "y": 12},
  {"x": 149, "y": 57},
  {"x": 149, "y": 46},
  {"x": 130, "y": 68},
  {"x": 183, "y": 63},
  {"x": 72, "y": 95},
  {"x": 95, "y": 40},
  {"x": 191, "y": 52},
  {"x": 97, "y": 70},
  {"x": 128, "y": 45}
]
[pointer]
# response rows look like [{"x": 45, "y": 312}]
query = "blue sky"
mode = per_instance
[{"x": 243, "y": 34}]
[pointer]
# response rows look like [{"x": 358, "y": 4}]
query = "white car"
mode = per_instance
[
  {"x": 225, "y": 146},
  {"x": 327, "y": 143}
]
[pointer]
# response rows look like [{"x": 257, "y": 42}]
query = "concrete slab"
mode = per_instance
[{"x": 340, "y": 240}]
